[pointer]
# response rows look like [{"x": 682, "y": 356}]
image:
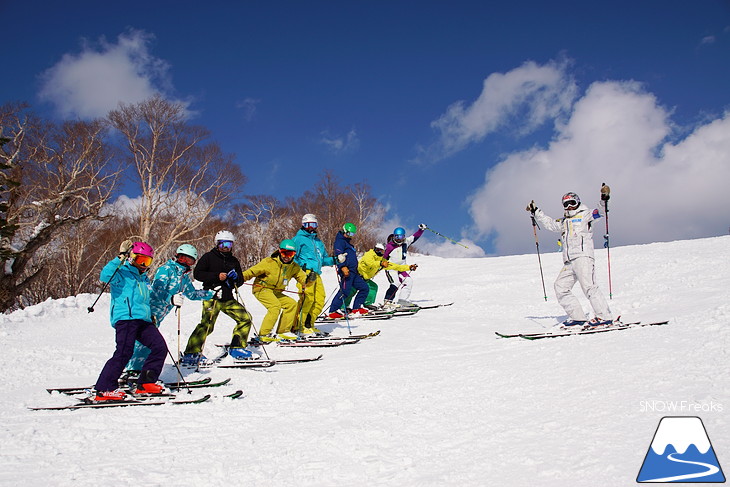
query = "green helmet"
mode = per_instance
[
  {"x": 288, "y": 244},
  {"x": 187, "y": 249},
  {"x": 349, "y": 229}
]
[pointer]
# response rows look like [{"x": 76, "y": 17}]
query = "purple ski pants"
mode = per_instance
[{"x": 127, "y": 332}]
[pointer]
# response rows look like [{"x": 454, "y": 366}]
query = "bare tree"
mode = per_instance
[
  {"x": 336, "y": 205},
  {"x": 182, "y": 179},
  {"x": 65, "y": 178}
]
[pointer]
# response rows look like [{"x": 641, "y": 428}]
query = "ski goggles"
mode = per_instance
[
  {"x": 379, "y": 252},
  {"x": 142, "y": 260},
  {"x": 310, "y": 225},
  {"x": 350, "y": 234},
  {"x": 399, "y": 238},
  {"x": 569, "y": 203},
  {"x": 185, "y": 260},
  {"x": 289, "y": 254},
  {"x": 225, "y": 244}
]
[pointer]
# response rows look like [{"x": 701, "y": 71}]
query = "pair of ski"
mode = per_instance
[
  {"x": 564, "y": 332},
  {"x": 143, "y": 400},
  {"x": 196, "y": 384},
  {"x": 383, "y": 314}
]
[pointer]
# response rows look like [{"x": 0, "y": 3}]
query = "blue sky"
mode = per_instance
[{"x": 456, "y": 113}]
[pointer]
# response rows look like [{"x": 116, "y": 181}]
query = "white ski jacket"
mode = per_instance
[{"x": 575, "y": 229}]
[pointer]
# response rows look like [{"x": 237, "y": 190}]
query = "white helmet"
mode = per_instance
[
  {"x": 224, "y": 235},
  {"x": 309, "y": 218}
]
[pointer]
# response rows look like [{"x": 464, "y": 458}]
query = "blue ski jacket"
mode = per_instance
[
  {"x": 341, "y": 246},
  {"x": 130, "y": 291},
  {"x": 311, "y": 252}
]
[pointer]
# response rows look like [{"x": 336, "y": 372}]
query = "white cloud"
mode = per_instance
[
  {"x": 708, "y": 40},
  {"x": 534, "y": 93},
  {"x": 91, "y": 83},
  {"x": 617, "y": 134},
  {"x": 248, "y": 107},
  {"x": 340, "y": 144}
]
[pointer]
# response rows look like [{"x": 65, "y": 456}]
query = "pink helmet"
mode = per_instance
[{"x": 142, "y": 248}]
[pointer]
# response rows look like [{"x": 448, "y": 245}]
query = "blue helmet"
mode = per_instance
[{"x": 399, "y": 234}]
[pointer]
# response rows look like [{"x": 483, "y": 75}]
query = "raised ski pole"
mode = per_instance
[
  {"x": 90, "y": 309},
  {"x": 608, "y": 247},
  {"x": 537, "y": 246},
  {"x": 447, "y": 238}
]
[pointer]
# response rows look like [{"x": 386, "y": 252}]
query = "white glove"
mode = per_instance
[
  {"x": 422, "y": 226},
  {"x": 177, "y": 300},
  {"x": 217, "y": 292},
  {"x": 341, "y": 258}
]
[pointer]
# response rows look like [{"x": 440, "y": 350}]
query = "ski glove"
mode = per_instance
[
  {"x": 125, "y": 247},
  {"x": 217, "y": 292},
  {"x": 345, "y": 271},
  {"x": 177, "y": 300},
  {"x": 422, "y": 226},
  {"x": 413, "y": 267},
  {"x": 232, "y": 275},
  {"x": 341, "y": 258},
  {"x": 532, "y": 208},
  {"x": 605, "y": 192},
  {"x": 311, "y": 277}
]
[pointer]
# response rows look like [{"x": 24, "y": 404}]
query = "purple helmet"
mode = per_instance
[{"x": 142, "y": 248}]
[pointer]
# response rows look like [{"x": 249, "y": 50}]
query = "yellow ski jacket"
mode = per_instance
[
  {"x": 370, "y": 264},
  {"x": 272, "y": 273}
]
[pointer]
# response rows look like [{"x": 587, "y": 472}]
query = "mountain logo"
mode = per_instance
[{"x": 681, "y": 452}]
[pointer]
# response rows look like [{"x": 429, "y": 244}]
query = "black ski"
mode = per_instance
[
  {"x": 432, "y": 306},
  {"x": 373, "y": 316},
  {"x": 127, "y": 402},
  {"x": 582, "y": 331},
  {"x": 244, "y": 364},
  {"x": 336, "y": 342},
  {"x": 349, "y": 337},
  {"x": 193, "y": 385}
]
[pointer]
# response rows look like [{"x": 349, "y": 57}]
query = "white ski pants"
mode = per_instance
[{"x": 581, "y": 269}]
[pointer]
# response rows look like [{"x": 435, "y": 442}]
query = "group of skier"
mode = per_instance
[{"x": 138, "y": 306}]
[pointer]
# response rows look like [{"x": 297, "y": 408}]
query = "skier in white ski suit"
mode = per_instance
[{"x": 576, "y": 232}]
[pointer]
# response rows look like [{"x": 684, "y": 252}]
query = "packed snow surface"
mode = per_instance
[{"x": 436, "y": 399}]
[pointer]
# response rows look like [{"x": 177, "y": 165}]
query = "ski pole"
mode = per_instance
[
  {"x": 182, "y": 379},
  {"x": 90, "y": 309},
  {"x": 344, "y": 296},
  {"x": 178, "y": 339},
  {"x": 447, "y": 238},
  {"x": 255, "y": 331},
  {"x": 537, "y": 246},
  {"x": 608, "y": 248}
]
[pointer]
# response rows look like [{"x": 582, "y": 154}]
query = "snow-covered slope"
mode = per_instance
[{"x": 436, "y": 399}]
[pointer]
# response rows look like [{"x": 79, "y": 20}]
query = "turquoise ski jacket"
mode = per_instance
[
  {"x": 311, "y": 252},
  {"x": 172, "y": 278},
  {"x": 130, "y": 291}
]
